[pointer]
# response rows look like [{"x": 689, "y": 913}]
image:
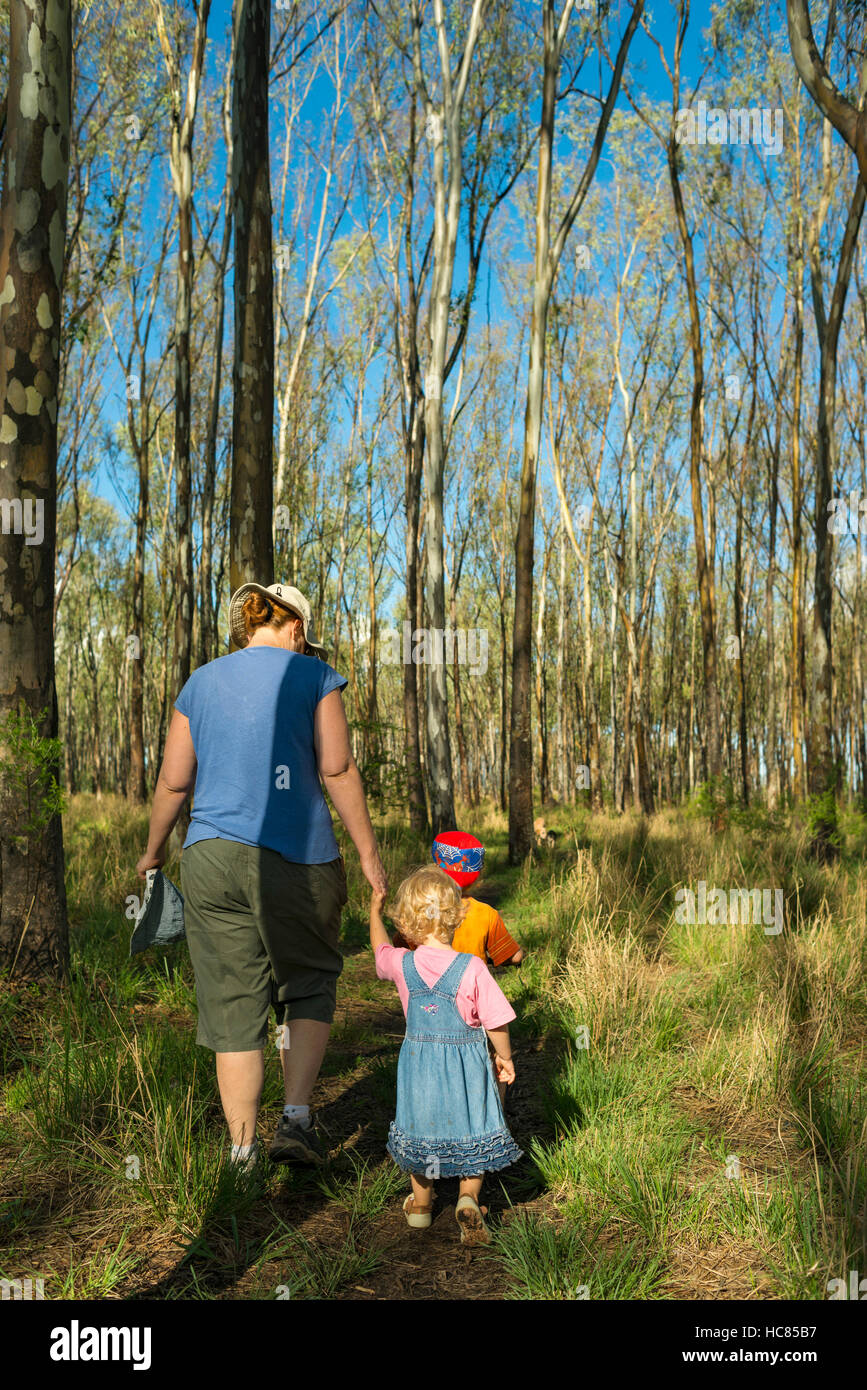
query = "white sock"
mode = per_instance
[
  {"x": 298, "y": 1112},
  {"x": 242, "y": 1150}
]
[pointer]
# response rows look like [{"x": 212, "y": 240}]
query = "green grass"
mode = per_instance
[
  {"x": 305, "y": 1269},
  {"x": 544, "y": 1262},
  {"x": 364, "y": 1191}
]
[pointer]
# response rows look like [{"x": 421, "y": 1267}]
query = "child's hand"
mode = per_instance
[
  {"x": 378, "y": 934},
  {"x": 505, "y": 1069}
]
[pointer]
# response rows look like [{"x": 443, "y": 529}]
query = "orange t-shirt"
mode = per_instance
[{"x": 482, "y": 933}]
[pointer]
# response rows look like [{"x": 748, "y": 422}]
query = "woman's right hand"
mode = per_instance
[
  {"x": 371, "y": 867},
  {"x": 150, "y": 861}
]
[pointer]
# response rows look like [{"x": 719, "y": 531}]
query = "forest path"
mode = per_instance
[{"x": 669, "y": 1158}]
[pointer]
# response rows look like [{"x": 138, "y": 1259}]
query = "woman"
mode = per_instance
[{"x": 261, "y": 873}]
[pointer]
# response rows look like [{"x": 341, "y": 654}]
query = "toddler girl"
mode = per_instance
[{"x": 449, "y": 1120}]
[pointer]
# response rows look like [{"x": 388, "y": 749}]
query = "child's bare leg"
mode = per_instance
[
  {"x": 471, "y": 1219},
  {"x": 422, "y": 1190},
  {"x": 472, "y": 1187}
]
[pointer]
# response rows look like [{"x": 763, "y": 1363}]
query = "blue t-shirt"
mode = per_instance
[{"x": 251, "y": 720}]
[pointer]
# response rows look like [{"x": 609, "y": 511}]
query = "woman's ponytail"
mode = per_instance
[{"x": 259, "y": 611}]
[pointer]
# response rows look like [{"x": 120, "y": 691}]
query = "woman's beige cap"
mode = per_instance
[{"x": 283, "y": 594}]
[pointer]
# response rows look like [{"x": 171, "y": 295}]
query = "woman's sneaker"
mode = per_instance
[{"x": 294, "y": 1144}]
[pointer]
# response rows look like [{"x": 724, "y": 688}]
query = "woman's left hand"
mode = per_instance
[{"x": 150, "y": 861}]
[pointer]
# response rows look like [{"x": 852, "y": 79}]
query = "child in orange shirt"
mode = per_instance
[{"x": 482, "y": 931}]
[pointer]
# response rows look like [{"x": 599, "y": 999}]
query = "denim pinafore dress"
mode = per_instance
[{"x": 449, "y": 1120}]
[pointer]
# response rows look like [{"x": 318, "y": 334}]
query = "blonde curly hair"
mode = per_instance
[{"x": 428, "y": 902}]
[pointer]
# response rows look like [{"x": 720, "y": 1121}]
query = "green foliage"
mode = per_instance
[
  {"x": 755, "y": 818},
  {"x": 821, "y": 810},
  {"x": 384, "y": 777},
  {"x": 712, "y": 798},
  {"x": 30, "y": 763},
  {"x": 717, "y": 800}
]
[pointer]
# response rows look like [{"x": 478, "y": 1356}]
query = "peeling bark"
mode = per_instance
[{"x": 34, "y": 931}]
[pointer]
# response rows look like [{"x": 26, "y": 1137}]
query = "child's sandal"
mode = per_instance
[
  {"x": 417, "y": 1217},
  {"x": 468, "y": 1215}
]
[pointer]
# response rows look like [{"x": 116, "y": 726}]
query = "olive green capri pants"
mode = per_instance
[{"x": 262, "y": 933}]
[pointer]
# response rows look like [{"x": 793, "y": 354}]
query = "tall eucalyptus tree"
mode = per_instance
[
  {"x": 34, "y": 930},
  {"x": 251, "y": 542},
  {"x": 549, "y": 250}
]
